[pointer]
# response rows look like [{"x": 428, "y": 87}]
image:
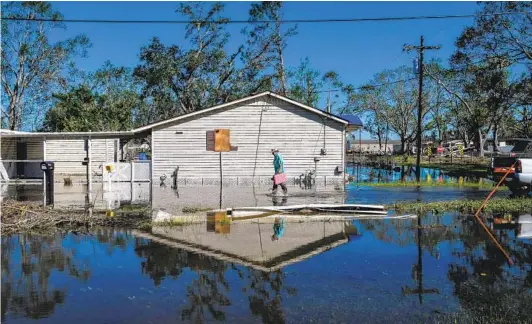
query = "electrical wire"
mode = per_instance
[
  {"x": 369, "y": 87},
  {"x": 288, "y": 21}
]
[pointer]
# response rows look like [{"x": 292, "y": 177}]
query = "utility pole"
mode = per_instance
[
  {"x": 421, "y": 48},
  {"x": 418, "y": 273}
]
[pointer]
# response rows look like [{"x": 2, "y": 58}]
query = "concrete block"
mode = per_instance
[
  {"x": 211, "y": 182},
  {"x": 193, "y": 182},
  {"x": 230, "y": 181}
]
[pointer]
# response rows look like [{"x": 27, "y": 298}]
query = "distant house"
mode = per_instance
[
  {"x": 372, "y": 146},
  {"x": 308, "y": 139}
]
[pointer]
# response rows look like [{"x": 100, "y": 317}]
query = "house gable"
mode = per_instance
[{"x": 265, "y": 96}]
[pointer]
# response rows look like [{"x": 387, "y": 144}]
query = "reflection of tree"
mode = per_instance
[
  {"x": 403, "y": 232},
  {"x": 29, "y": 260},
  {"x": 160, "y": 261},
  {"x": 266, "y": 295},
  {"x": 484, "y": 283},
  {"x": 27, "y": 263},
  {"x": 112, "y": 238},
  {"x": 390, "y": 231},
  {"x": 487, "y": 288},
  {"x": 205, "y": 292}
]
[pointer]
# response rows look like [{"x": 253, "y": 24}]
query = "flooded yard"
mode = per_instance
[
  {"x": 367, "y": 271},
  {"x": 378, "y": 271},
  {"x": 174, "y": 199}
]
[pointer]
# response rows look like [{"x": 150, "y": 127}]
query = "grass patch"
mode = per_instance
[
  {"x": 195, "y": 209},
  {"x": 226, "y": 221},
  {"x": 171, "y": 223},
  {"x": 508, "y": 205},
  {"x": 132, "y": 209},
  {"x": 476, "y": 168},
  {"x": 454, "y": 184}
]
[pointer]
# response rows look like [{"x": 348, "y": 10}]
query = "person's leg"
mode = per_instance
[
  {"x": 285, "y": 190},
  {"x": 274, "y": 189}
]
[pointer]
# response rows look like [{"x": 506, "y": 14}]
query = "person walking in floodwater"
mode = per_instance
[
  {"x": 278, "y": 228},
  {"x": 278, "y": 166}
]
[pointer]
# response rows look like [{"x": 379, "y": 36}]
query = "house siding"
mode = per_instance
[
  {"x": 68, "y": 155},
  {"x": 256, "y": 127},
  {"x": 34, "y": 151},
  {"x": 9, "y": 152}
]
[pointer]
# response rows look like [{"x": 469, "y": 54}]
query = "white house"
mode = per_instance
[{"x": 308, "y": 138}]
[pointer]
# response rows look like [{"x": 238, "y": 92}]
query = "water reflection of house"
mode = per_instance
[{"x": 250, "y": 244}]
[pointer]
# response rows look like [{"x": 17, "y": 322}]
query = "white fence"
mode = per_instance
[{"x": 136, "y": 171}]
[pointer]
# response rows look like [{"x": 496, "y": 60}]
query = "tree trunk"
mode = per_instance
[
  {"x": 525, "y": 122},
  {"x": 402, "y": 145},
  {"x": 282, "y": 74},
  {"x": 379, "y": 136},
  {"x": 440, "y": 135},
  {"x": 479, "y": 141},
  {"x": 386, "y": 142},
  {"x": 496, "y": 138}
]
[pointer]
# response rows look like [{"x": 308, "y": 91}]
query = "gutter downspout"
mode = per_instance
[{"x": 344, "y": 134}]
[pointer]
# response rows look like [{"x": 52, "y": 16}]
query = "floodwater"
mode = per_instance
[
  {"x": 161, "y": 197},
  {"x": 364, "y": 271},
  {"x": 363, "y": 174}
]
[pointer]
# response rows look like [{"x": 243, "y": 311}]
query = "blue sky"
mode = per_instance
[{"x": 356, "y": 51}]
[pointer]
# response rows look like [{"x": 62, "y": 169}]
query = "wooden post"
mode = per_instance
[
  {"x": 44, "y": 174},
  {"x": 89, "y": 168},
  {"x": 221, "y": 180}
]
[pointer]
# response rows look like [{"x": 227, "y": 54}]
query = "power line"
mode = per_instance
[{"x": 288, "y": 21}]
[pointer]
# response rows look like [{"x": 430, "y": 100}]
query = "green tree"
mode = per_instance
[
  {"x": 334, "y": 88},
  {"x": 33, "y": 67},
  {"x": 372, "y": 102},
  {"x": 306, "y": 84},
  {"x": 485, "y": 52},
  {"x": 493, "y": 35},
  {"x": 400, "y": 92},
  {"x": 106, "y": 101},
  {"x": 481, "y": 97},
  {"x": 263, "y": 55},
  {"x": 178, "y": 80}
]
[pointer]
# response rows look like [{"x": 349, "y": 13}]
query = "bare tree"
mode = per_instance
[{"x": 32, "y": 66}]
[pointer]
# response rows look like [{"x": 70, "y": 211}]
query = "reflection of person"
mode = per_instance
[
  {"x": 278, "y": 228},
  {"x": 278, "y": 165},
  {"x": 276, "y": 202}
]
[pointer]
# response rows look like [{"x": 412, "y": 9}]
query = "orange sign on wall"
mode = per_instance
[
  {"x": 219, "y": 140},
  {"x": 218, "y": 222}
]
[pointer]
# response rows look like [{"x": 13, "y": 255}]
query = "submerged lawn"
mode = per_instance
[
  {"x": 460, "y": 184},
  {"x": 506, "y": 205}
]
